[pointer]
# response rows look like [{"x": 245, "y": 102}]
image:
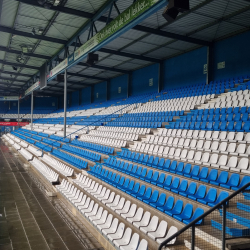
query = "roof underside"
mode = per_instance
[{"x": 207, "y": 20}]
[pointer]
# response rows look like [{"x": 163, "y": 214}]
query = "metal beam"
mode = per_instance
[
  {"x": 19, "y": 65},
  {"x": 125, "y": 54},
  {"x": 30, "y": 35},
  {"x": 18, "y": 52}
]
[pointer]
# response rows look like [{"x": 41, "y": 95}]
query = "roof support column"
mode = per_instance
[
  {"x": 210, "y": 59},
  {"x": 32, "y": 104},
  {"x": 65, "y": 103}
]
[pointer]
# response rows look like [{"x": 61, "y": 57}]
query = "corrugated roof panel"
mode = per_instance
[
  {"x": 157, "y": 40},
  {"x": 109, "y": 62},
  {"x": 226, "y": 29},
  {"x": 140, "y": 48},
  {"x": 4, "y": 39},
  {"x": 162, "y": 53},
  {"x": 182, "y": 46},
  {"x": 118, "y": 43},
  {"x": 9, "y": 9},
  {"x": 91, "y": 6},
  {"x": 241, "y": 19}
]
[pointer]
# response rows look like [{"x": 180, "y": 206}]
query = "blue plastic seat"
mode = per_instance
[
  {"x": 223, "y": 195},
  {"x": 211, "y": 177},
  {"x": 154, "y": 178},
  {"x": 148, "y": 176},
  {"x": 177, "y": 209},
  {"x": 210, "y": 197},
  {"x": 153, "y": 198},
  {"x": 187, "y": 169},
  {"x": 202, "y": 175},
  {"x": 186, "y": 213},
  {"x": 182, "y": 187},
  {"x": 245, "y": 180},
  {"x": 138, "y": 172},
  {"x": 179, "y": 169},
  {"x": 166, "y": 165},
  {"x": 143, "y": 174},
  {"x": 200, "y": 193},
  {"x": 175, "y": 184},
  {"x": 233, "y": 181},
  {"x": 191, "y": 190},
  {"x": 146, "y": 195},
  {"x": 167, "y": 182},
  {"x": 130, "y": 186},
  {"x": 150, "y": 161},
  {"x": 161, "y": 163},
  {"x": 195, "y": 171},
  {"x": 125, "y": 185},
  {"x": 140, "y": 193},
  {"x": 222, "y": 179},
  {"x": 155, "y": 162},
  {"x": 160, "y": 202},
  {"x": 168, "y": 205},
  {"x": 198, "y": 212},
  {"x": 160, "y": 180}
]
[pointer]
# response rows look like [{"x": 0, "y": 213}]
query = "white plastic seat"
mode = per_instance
[
  {"x": 190, "y": 155},
  {"x": 166, "y": 151},
  {"x": 120, "y": 205},
  {"x": 243, "y": 165},
  {"x": 102, "y": 220},
  {"x": 125, "y": 238},
  {"x": 160, "y": 232},
  {"x": 152, "y": 226},
  {"x": 232, "y": 163},
  {"x": 110, "y": 229},
  {"x": 144, "y": 221},
  {"x": 137, "y": 217},
  {"x": 222, "y": 162},
  {"x": 133, "y": 244},
  {"x": 113, "y": 200},
  {"x": 172, "y": 230},
  {"x": 130, "y": 213},
  {"x": 117, "y": 234},
  {"x": 125, "y": 209},
  {"x": 186, "y": 143}
]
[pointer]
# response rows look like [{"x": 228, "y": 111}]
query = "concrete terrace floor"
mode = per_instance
[{"x": 29, "y": 220}]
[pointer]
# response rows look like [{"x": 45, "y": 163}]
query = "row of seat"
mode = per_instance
[
  {"x": 113, "y": 135},
  {"x": 209, "y": 118},
  {"x": 203, "y": 174},
  {"x": 102, "y": 220},
  {"x": 128, "y": 211},
  {"x": 233, "y": 148},
  {"x": 237, "y": 137},
  {"x": 135, "y": 124},
  {"x": 105, "y": 141},
  {"x": 49, "y": 174},
  {"x": 232, "y": 163},
  {"x": 220, "y": 111},
  {"x": 160, "y": 201},
  {"x": 94, "y": 147},
  {"x": 128, "y": 130},
  {"x": 74, "y": 161},
  {"x": 58, "y": 166},
  {"x": 215, "y": 126},
  {"x": 83, "y": 153}
]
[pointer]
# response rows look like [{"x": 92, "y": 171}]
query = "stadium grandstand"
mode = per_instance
[{"x": 124, "y": 125}]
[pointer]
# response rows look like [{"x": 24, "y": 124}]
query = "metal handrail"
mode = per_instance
[{"x": 191, "y": 224}]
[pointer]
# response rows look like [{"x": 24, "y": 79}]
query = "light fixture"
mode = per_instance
[
  {"x": 40, "y": 31},
  {"x": 174, "y": 7},
  {"x": 33, "y": 32},
  {"x": 24, "y": 49},
  {"x": 57, "y": 2},
  {"x": 14, "y": 68}
]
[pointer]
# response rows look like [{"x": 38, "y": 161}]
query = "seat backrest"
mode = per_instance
[
  {"x": 212, "y": 194},
  {"x": 201, "y": 192},
  {"x": 223, "y": 177},
  {"x": 169, "y": 203},
  {"x": 243, "y": 164},
  {"x": 172, "y": 230},
  {"x": 178, "y": 206},
  {"x": 143, "y": 245}
]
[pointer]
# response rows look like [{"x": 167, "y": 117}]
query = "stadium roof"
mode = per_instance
[{"x": 30, "y": 35}]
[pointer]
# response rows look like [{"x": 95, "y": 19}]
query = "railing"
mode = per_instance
[
  {"x": 100, "y": 120},
  {"x": 214, "y": 231}
]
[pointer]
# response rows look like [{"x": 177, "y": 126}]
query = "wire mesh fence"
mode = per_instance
[{"x": 218, "y": 228}]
